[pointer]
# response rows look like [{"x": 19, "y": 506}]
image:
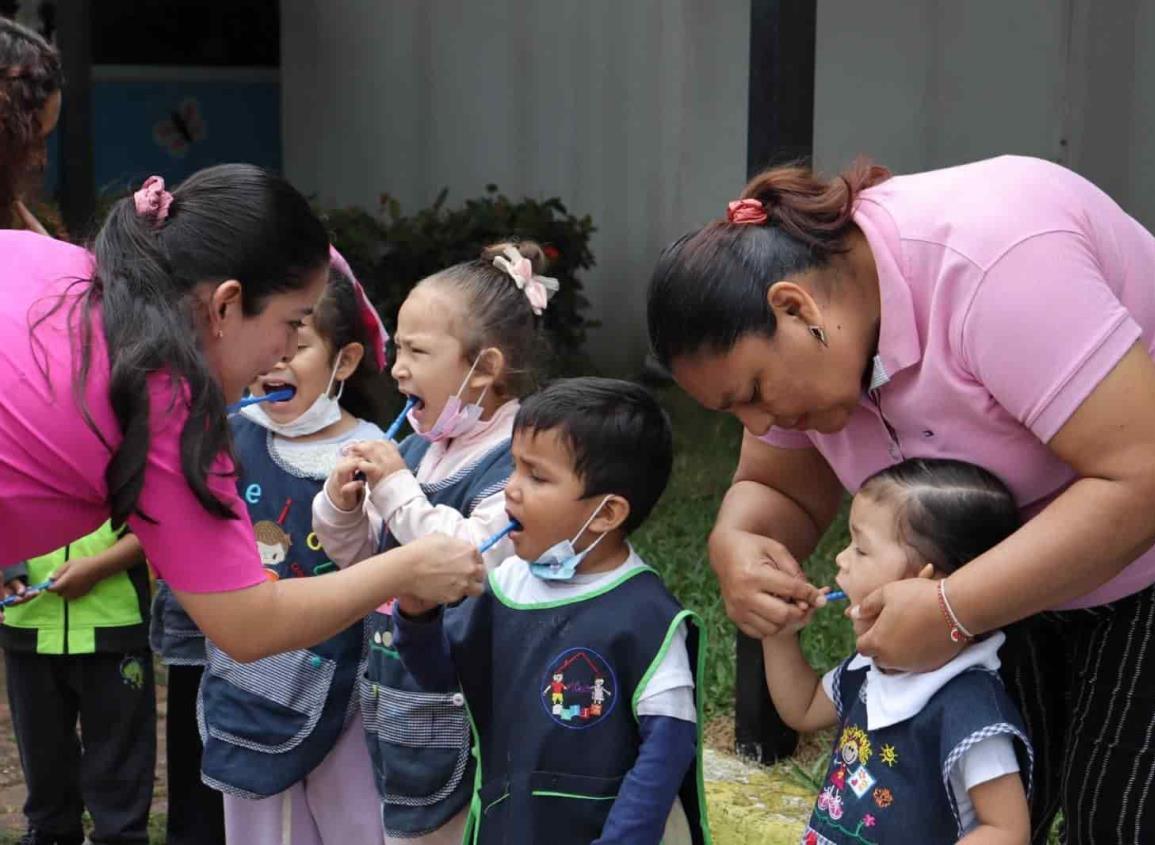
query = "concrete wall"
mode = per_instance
[
  {"x": 920, "y": 85},
  {"x": 633, "y": 111}
]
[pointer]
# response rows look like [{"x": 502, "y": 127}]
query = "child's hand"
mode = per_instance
[
  {"x": 378, "y": 459},
  {"x": 74, "y": 579},
  {"x": 343, "y": 489},
  {"x": 793, "y": 626},
  {"x": 17, "y": 587},
  {"x": 412, "y": 606}
]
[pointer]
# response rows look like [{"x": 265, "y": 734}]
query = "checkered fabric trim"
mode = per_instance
[
  {"x": 219, "y": 786},
  {"x": 970, "y": 742},
  {"x": 418, "y": 720},
  {"x": 485, "y": 494},
  {"x": 414, "y": 719},
  {"x": 297, "y": 680},
  {"x": 433, "y": 487},
  {"x": 818, "y": 840}
]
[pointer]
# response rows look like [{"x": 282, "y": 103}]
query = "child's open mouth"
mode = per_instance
[
  {"x": 418, "y": 406},
  {"x": 270, "y": 387}
]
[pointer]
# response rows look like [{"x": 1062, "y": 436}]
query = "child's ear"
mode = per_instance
[
  {"x": 350, "y": 357},
  {"x": 927, "y": 572},
  {"x": 489, "y": 368},
  {"x": 613, "y": 513}
]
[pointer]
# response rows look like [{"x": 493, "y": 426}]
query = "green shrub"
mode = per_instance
[{"x": 392, "y": 251}]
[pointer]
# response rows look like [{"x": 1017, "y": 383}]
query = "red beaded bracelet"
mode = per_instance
[{"x": 958, "y": 633}]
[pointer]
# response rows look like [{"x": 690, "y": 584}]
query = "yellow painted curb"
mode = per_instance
[{"x": 750, "y": 805}]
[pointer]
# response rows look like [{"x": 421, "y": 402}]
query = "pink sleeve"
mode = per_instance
[
  {"x": 784, "y": 439},
  {"x": 190, "y": 548},
  {"x": 1044, "y": 328},
  {"x": 348, "y": 537}
]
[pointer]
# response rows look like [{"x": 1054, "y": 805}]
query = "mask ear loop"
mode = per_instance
[
  {"x": 582, "y": 530},
  {"x": 333, "y": 377},
  {"x": 465, "y": 380}
]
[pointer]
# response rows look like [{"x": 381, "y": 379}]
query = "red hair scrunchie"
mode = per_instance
[{"x": 748, "y": 211}]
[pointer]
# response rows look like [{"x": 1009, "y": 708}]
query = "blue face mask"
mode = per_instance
[{"x": 560, "y": 561}]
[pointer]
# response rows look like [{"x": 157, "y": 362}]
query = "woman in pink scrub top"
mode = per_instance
[
  {"x": 116, "y": 367},
  {"x": 1002, "y": 313}
]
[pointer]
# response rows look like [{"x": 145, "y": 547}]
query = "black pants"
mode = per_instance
[
  {"x": 1085, "y": 683},
  {"x": 196, "y": 813},
  {"x": 108, "y": 769}
]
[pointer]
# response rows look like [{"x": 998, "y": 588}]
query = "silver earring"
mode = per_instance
[{"x": 819, "y": 334}]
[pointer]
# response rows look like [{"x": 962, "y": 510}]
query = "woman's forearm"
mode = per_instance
[
  {"x": 758, "y": 509},
  {"x": 298, "y": 612},
  {"x": 1081, "y": 540}
]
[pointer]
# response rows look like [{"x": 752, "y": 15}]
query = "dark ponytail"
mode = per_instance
[
  {"x": 233, "y": 221},
  {"x": 709, "y": 287},
  {"x": 339, "y": 322}
]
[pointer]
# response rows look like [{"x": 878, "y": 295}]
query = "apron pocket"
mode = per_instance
[
  {"x": 419, "y": 742},
  {"x": 270, "y": 705},
  {"x": 577, "y": 804}
]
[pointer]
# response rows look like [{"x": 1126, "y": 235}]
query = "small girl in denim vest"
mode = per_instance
[
  {"x": 929, "y": 757},
  {"x": 280, "y": 738},
  {"x": 466, "y": 342}
]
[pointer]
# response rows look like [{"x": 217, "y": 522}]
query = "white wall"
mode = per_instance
[
  {"x": 926, "y": 84},
  {"x": 921, "y": 84},
  {"x": 632, "y": 111}
]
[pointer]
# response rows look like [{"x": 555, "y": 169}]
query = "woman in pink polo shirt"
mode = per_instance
[
  {"x": 115, "y": 370},
  {"x": 1001, "y": 313}
]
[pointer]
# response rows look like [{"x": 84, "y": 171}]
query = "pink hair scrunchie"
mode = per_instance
[
  {"x": 537, "y": 289},
  {"x": 747, "y": 212},
  {"x": 152, "y": 200}
]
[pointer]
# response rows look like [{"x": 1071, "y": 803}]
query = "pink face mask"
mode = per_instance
[{"x": 456, "y": 418}]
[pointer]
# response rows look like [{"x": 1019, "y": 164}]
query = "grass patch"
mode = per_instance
[{"x": 673, "y": 540}]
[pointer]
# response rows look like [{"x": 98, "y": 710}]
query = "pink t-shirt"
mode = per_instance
[
  {"x": 1010, "y": 288},
  {"x": 52, "y": 464}
]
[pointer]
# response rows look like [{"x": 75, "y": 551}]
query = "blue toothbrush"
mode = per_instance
[
  {"x": 394, "y": 427},
  {"x": 34, "y": 589},
  {"x": 275, "y": 396},
  {"x": 497, "y": 538}
]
